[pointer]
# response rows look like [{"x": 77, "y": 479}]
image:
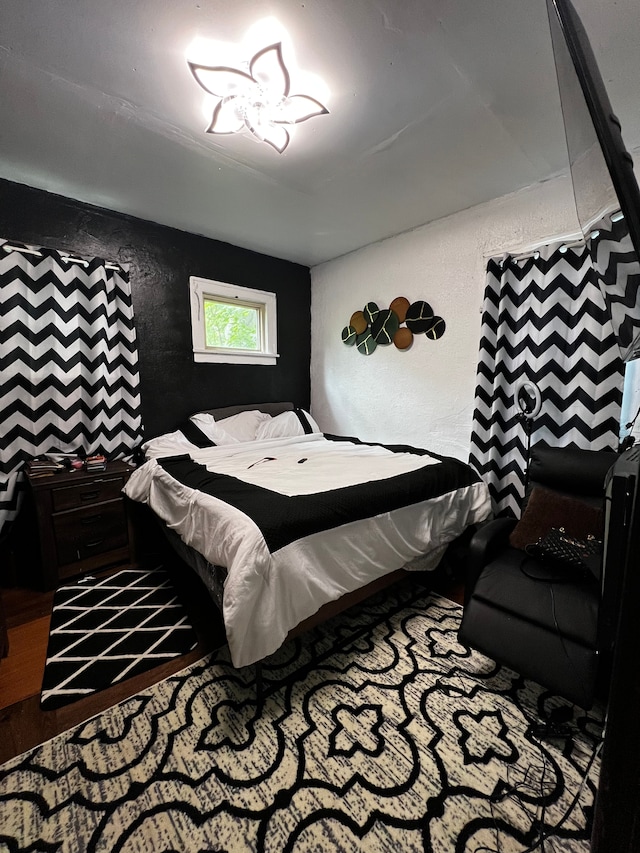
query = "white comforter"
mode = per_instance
[{"x": 266, "y": 594}]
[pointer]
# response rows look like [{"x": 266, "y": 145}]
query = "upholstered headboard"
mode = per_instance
[{"x": 269, "y": 408}]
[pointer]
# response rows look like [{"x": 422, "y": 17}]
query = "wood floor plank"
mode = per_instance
[
  {"x": 22, "y": 604},
  {"x": 21, "y": 671}
]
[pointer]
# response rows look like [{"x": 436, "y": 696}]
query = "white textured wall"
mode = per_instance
[{"x": 422, "y": 396}]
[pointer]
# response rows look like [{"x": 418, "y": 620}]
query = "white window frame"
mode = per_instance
[{"x": 201, "y": 288}]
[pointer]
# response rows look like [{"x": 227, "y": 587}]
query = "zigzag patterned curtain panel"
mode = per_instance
[
  {"x": 544, "y": 320},
  {"x": 68, "y": 363},
  {"x": 618, "y": 273}
]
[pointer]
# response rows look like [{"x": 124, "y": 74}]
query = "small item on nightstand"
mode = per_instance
[
  {"x": 58, "y": 456},
  {"x": 98, "y": 462},
  {"x": 70, "y": 461},
  {"x": 42, "y": 467}
]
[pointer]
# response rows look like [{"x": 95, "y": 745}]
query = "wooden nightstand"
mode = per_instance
[{"x": 82, "y": 522}]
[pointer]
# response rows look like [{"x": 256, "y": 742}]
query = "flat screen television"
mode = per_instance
[
  {"x": 601, "y": 168},
  {"x": 603, "y": 177}
]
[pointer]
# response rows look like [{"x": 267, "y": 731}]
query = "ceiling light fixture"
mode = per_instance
[{"x": 256, "y": 100}]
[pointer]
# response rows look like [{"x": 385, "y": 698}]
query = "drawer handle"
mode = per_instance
[
  {"x": 89, "y": 496},
  {"x": 88, "y": 545},
  {"x": 91, "y": 519}
]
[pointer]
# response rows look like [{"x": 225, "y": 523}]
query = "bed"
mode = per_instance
[{"x": 283, "y": 522}]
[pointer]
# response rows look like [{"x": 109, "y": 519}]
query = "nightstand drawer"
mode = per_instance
[
  {"x": 82, "y": 522},
  {"x": 99, "y": 489},
  {"x": 93, "y": 530}
]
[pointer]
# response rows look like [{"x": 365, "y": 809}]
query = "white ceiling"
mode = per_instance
[{"x": 435, "y": 106}]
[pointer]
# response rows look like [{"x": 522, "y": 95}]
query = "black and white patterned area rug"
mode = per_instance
[
  {"x": 103, "y": 631},
  {"x": 377, "y": 732}
]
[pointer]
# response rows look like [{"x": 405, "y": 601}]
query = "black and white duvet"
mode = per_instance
[{"x": 300, "y": 521}]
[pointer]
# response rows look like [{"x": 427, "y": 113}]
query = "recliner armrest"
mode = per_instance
[{"x": 488, "y": 540}]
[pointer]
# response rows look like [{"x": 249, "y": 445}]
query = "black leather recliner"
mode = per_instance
[{"x": 544, "y": 623}]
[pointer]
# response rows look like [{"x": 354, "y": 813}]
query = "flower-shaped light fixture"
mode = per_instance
[{"x": 256, "y": 100}]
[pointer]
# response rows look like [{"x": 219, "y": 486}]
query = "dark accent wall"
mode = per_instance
[{"x": 160, "y": 260}]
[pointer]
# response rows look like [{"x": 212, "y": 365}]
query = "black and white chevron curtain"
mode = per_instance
[
  {"x": 68, "y": 362},
  {"x": 548, "y": 319}
]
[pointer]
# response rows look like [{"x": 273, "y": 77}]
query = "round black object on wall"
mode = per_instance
[
  {"x": 419, "y": 317},
  {"x": 370, "y": 312},
  {"x": 349, "y": 336},
  {"x": 385, "y": 326},
  {"x": 436, "y": 328}
]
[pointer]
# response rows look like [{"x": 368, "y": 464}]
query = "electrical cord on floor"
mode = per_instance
[
  {"x": 524, "y": 791},
  {"x": 553, "y": 829},
  {"x": 517, "y": 791},
  {"x": 545, "y": 834}
]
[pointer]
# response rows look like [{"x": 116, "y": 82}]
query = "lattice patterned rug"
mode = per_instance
[
  {"x": 103, "y": 631},
  {"x": 377, "y": 732}
]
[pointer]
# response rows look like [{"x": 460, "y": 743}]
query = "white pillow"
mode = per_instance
[
  {"x": 280, "y": 426},
  {"x": 244, "y": 425},
  {"x": 284, "y": 425},
  {"x": 214, "y": 432}
]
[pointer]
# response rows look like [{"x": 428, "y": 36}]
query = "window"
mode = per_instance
[
  {"x": 630, "y": 401},
  {"x": 232, "y": 324}
]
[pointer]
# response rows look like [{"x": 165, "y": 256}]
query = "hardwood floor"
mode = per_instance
[
  {"x": 22, "y": 722},
  {"x": 21, "y": 672},
  {"x": 24, "y": 725}
]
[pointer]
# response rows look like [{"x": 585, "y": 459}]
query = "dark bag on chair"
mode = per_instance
[{"x": 567, "y": 553}]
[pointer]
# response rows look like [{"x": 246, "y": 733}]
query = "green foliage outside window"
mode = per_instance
[{"x": 231, "y": 326}]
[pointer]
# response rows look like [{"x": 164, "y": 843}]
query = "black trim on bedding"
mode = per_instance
[
  {"x": 282, "y": 519},
  {"x": 195, "y": 435},
  {"x": 304, "y": 420},
  {"x": 395, "y": 448}
]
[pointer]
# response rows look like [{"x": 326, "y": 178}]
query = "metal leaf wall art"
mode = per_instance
[{"x": 398, "y": 325}]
